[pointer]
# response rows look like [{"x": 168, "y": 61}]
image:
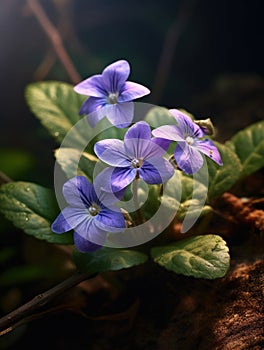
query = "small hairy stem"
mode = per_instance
[
  {"x": 4, "y": 179},
  {"x": 139, "y": 218},
  {"x": 39, "y": 301}
]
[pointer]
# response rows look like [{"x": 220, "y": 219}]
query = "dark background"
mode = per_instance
[{"x": 218, "y": 39}]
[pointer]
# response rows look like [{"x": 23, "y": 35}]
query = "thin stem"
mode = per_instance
[
  {"x": 55, "y": 38},
  {"x": 139, "y": 218},
  {"x": 39, "y": 301}
]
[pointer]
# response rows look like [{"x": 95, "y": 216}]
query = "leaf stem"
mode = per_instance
[{"x": 39, "y": 301}]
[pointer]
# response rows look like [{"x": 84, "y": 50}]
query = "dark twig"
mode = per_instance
[
  {"x": 4, "y": 179},
  {"x": 55, "y": 39},
  {"x": 39, "y": 301},
  {"x": 173, "y": 35}
]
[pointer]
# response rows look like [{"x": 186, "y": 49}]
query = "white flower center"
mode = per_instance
[
  {"x": 94, "y": 209},
  {"x": 136, "y": 163},
  {"x": 112, "y": 98},
  {"x": 189, "y": 140}
]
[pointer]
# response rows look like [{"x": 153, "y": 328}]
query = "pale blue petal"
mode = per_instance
[
  {"x": 185, "y": 125},
  {"x": 168, "y": 132},
  {"x": 92, "y": 104},
  {"x": 79, "y": 192},
  {"x": 188, "y": 158},
  {"x": 120, "y": 114},
  {"x": 93, "y": 86},
  {"x": 112, "y": 152},
  {"x": 115, "y": 76},
  {"x": 122, "y": 177},
  {"x": 83, "y": 245},
  {"x": 131, "y": 91},
  {"x": 68, "y": 219},
  {"x": 156, "y": 171},
  {"x": 110, "y": 220},
  {"x": 209, "y": 149}
]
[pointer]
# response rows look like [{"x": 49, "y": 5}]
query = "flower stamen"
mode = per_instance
[
  {"x": 112, "y": 98},
  {"x": 94, "y": 209}
]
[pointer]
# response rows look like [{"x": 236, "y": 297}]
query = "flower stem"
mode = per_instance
[
  {"x": 39, "y": 301},
  {"x": 138, "y": 214}
]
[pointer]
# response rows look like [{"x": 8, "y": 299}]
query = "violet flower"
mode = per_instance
[
  {"x": 89, "y": 213},
  {"x": 110, "y": 95},
  {"x": 190, "y": 143},
  {"x": 138, "y": 156}
]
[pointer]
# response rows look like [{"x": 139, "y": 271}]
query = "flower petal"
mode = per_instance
[
  {"x": 112, "y": 152},
  {"x": 120, "y": 114},
  {"x": 110, "y": 220},
  {"x": 156, "y": 171},
  {"x": 137, "y": 140},
  {"x": 79, "y": 192},
  {"x": 92, "y": 104},
  {"x": 115, "y": 75},
  {"x": 103, "y": 188},
  {"x": 68, "y": 219},
  {"x": 188, "y": 158},
  {"x": 130, "y": 91},
  {"x": 209, "y": 149},
  {"x": 168, "y": 132},
  {"x": 185, "y": 125},
  {"x": 89, "y": 230},
  {"x": 93, "y": 86},
  {"x": 122, "y": 177},
  {"x": 83, "y": 245}
]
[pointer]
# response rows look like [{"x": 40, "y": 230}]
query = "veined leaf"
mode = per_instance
[
  {"x": 32, "y": 208},
  {"x": 249, "y": 147},
  {"x": 106, "y": 259},
  {"x": 201, "y": 257}
]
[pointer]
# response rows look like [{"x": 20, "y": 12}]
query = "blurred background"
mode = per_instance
[{"x": 204, "y": 56}]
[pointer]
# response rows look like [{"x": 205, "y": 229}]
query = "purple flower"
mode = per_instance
[
  {"x": 190, "y": 143},
  {"x": 111, "y": 95},
  {"x": 89, "y": 213},
  {"x": 138, "y": 156}
]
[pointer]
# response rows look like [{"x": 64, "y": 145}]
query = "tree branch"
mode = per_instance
[
  {"x": 55, "y": 39},
  {"x": 39, "y": 301}
]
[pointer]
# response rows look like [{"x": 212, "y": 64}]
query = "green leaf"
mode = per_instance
[
  {"x": 57, "y": 107},
  {"x": 158, "y": 116},
  {"x": 32, "y": 208},
  {"x": 106, "y": 259},
  {"x": 201, "y": 257},
  {"x": 191, "y": 199},
  {"x": 73, "y": 162},
  {"x": 249, "y": 147},
  {"x": 222, "y": 178}
]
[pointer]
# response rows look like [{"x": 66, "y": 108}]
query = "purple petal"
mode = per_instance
[
  {"x": 93, "y": 86},
  {"x": 188, "y": 158},
  {"x": 122, "y": 177},
  {"x": 103, "y": 188},
  {"x": 68, "y": 219},
  {"x": 83, "y": 245},
  {"x": 120, "y": 114},
  {"x": 92, "y": 104},
  {"x": 112, "y": 152},
  {"x": 168, "y": 132},
  {"x": 137, "y": 140},
  {"x": 89, "y": 230},
  {"x": 209, "y": 149},
  {"x": 130, "y": 91},
  {"x": 115, "y": 75},
  {"x": 110, "y": 220},
  {"x": 162, "y": 143},
  {"x": 79, "y": 192},
  {"x": 185, "y": 125},
  {"x": 156, "y": 171}
]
